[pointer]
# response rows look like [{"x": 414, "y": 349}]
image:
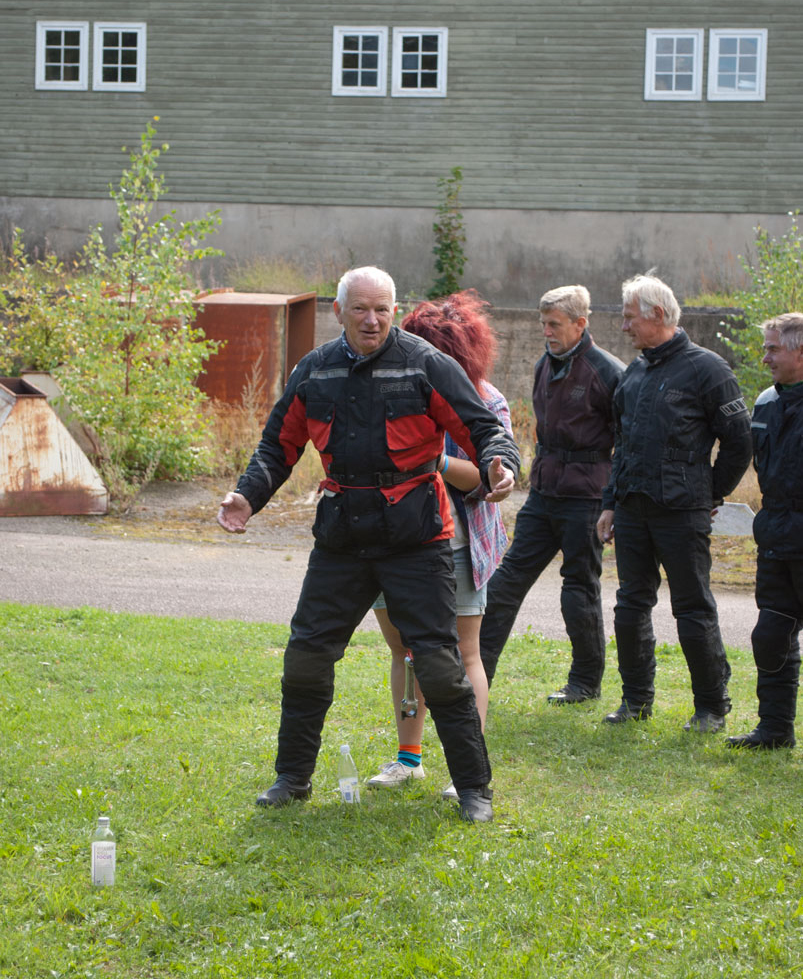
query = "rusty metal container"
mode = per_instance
[
  {"x": 43, "y": 471},
  {"x": 264, "y": 336}
]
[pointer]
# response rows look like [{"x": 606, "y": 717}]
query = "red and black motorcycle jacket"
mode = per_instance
[
  {"x": 573, "y": 405},
  {"x": 378, "y": 424}
]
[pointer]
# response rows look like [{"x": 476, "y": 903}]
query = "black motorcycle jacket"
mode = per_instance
[{"x": 672, "y": 404}]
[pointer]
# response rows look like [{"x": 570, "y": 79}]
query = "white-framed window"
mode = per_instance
[
  {"x": 419, "y": 61},
  {"x": 119, "y": 57},
  {"x": 62, "y": 55},
  {"x": 359, "y": 60},
  {"x": 674, "y": 64},
  {"x": 737, "y": 65}
]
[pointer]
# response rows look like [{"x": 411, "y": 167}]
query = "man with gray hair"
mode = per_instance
[
  {"x": 375, "y": 403},
  {"x": 572, "y": 394},
  {"x": 674, "y": 402},
  {"x": 778, "y": 528}
]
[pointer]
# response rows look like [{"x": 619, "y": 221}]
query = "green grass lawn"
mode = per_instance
[{"x": 637, "y": 851}]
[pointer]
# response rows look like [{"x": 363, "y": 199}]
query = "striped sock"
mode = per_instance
[{"x": 409, "y": 755}]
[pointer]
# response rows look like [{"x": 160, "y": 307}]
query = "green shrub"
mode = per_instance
[
  {"x": 776, "y": 287},
  {"x": 120, "y": 336}
]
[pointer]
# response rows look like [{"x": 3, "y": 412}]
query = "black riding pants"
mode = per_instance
[
  {"x": 544, "y": 526},
  {"x": 338, "y": 590},
  {"x": 649, "y": 536}
]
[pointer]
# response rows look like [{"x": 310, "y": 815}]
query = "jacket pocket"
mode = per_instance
[
  {"x": 331, "y": 527},
  {"x": 411, "y": 435},
  {"x": 685, "y": 485},
  {"x": 415, "y": 518}
]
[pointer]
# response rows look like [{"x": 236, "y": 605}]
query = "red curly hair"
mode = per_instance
[{"x": 457, "y": 325}]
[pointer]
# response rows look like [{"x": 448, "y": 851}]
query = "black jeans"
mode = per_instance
[
  {"x": 544, "y": 526},
  {"x": 647, "y": 536},
  {"x": 776, "y": 643},
  {"x": 419, "y": 589}
]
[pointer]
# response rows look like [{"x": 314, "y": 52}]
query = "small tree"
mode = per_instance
[
  {"x": 450, "y": 237},
  {"x": 120, "y": 336},
  {"x": 34, "y": 329},
  {"x": 776, "y": 287}
]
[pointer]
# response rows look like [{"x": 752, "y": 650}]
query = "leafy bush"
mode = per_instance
[
  {"x": 120, "y": 336},
  {"x": 776, "y": 287}
]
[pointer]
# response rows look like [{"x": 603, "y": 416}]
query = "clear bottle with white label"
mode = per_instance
[
  {"x": 347, "y": 776},
  {"x": 104, "y": 854}
]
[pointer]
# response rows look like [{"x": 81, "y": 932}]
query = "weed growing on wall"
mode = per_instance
[
  {"x": 776, "y": 287},
  {"x": 450, "y": 236}
]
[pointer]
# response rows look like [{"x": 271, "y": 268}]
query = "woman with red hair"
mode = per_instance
[{"x": 457, "y": 325}]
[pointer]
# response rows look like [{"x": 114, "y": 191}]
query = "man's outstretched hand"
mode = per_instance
[
  {"x": 234, "y": 513},
  {"x": 502, "y": 481}
]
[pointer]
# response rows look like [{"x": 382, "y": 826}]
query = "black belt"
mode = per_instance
[
  {"x": 574, "y": 455},
  {"x": 392, "y": 478}
]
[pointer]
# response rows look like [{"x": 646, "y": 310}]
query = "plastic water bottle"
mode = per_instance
[
  {"x": 347, "y": 776},
  {"x": 104, "y": 854}
]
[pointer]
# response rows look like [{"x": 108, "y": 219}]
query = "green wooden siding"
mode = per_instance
[{"x": 544, "y": 110}]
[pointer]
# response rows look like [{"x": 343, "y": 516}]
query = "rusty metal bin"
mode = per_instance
[
  {"x": 43, "y": 470},
  {"x": 264, "y": 336}
]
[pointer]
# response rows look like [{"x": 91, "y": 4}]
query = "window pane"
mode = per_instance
[
  {"x": 409, "y": 80},
  {"x": 663, "y": 83},
  {"x": 128, "y": 57},
  {"x": 370, "y": 42},
  {"x": 429, "y": 79},
  {"x": 128, "y": 75},
  {"x": 683, "y": 83},
  {"x": 429, "y": 42},
  {"x": 726, "y": 81},
  {"x": 52, "y": 73},
  {"x": 409, "y": 62},
  {"x": 748, "y": 65},
  {"x": 370, "y": 61},
  {"x": 665, "y": 63},
  {"x": 351, "y": 42},
  {"x": 727, "y": 64},
  {"x": 129, "y": 39},
  {"x": 685, "y": 45},
  {"x": 71, "y": 73},
  {"x": 409, "y": 43},
  {"x": 429, "y": 62},
  {"x": 72, "y": 38},
  {"x": 72, "y": 56},
  {"x": 728, "y": 45},
  {"x": 370, "y": 79},
  {"x": 53, "y": 38},
  {"x": 110, "y": 39},
  {"x": 685, "y": 64},
  {"x": 52, "y": 56},
  {"x": 109, "y": 74},
  {"x": 749, "y": 45},
  {"x": 665, "y": 45},
  {"x": 748, "y": 83},
  {"x": 351, "y": 61},
  {"x": 349, "y": 79},
  {"x": 109, "y": 57}
]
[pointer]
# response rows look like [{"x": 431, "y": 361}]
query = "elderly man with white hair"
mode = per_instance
[
  {"x": 673, "y": 403},
  {"x": 375, "y": 403}
]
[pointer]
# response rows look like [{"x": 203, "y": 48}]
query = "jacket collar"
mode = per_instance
[{"x": 680, "y": 341}]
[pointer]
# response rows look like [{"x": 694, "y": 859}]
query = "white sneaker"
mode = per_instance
[
  {"x": 450, "y": 792},
  {"x": 394, "y": 773}
]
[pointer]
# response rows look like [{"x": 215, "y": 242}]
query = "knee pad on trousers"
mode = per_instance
[
  {"x": 308, "y": 669},
  {"x": 441, "y": 676},
  {"x": 772, "y": 639}
]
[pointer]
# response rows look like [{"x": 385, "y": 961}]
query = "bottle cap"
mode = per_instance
[
  {"x": 344, "y": 749},
  {"x": 103, "y": 820}
]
